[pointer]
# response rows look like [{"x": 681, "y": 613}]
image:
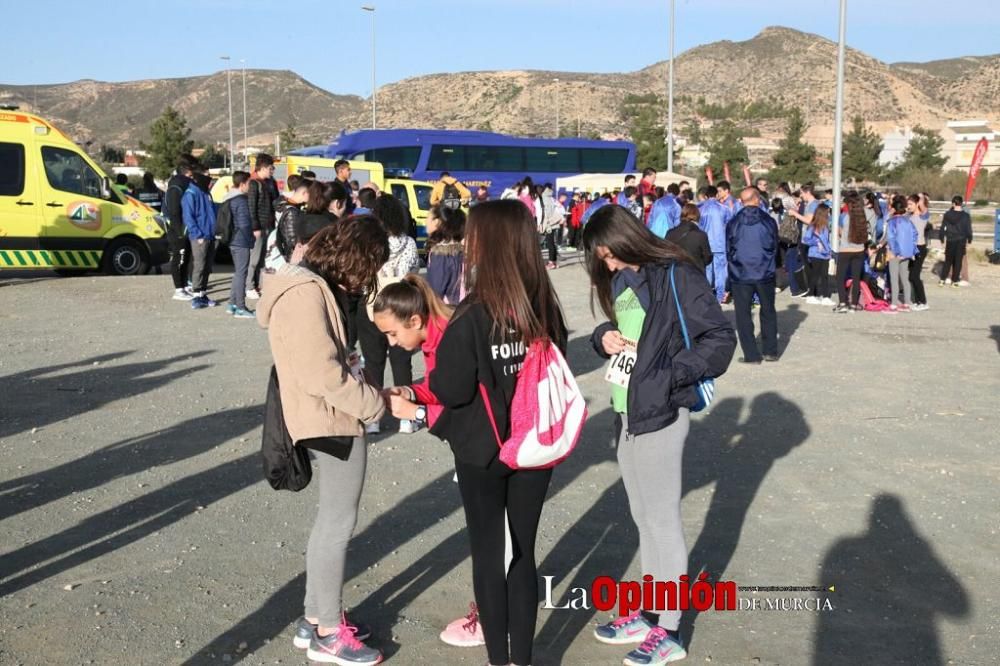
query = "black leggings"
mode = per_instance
[
  {"x": 550, "y": 244},
  {"x": 850, "y": 264},
  {"x": 819, "y": 278},
  {"x": 917, "y": 265},
  {"x": 508, "y": 601},
  {"x": 374, "y": 346},
  {"x": 954, "y": 252},
  {"x": 180, "y": 259}
]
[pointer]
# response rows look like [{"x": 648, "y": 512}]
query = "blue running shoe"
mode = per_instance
[
  {"x": 629, "y": 629},
  {"x": 242, "y": 313},
  {"x": 658, "y": 648},
  {"x": 199, "y": 303},
  {"x": 230, "y": 309}
]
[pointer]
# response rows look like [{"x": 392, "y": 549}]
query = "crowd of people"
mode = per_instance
[{"x": 336, "y": 275}]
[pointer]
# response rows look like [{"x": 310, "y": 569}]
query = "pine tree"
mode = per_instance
[
  {"x": 923, "y": 152},
  {"x": 725, "y": 144},
  {"x": 289, "y": 138},
  {"x": 860, "y": 157},
  {"x": 795, "y": 161},
  {"x": 641, "y": 112},
  {"x": 170, "y": 139}
]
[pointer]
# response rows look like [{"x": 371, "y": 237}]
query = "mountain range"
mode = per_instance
[{"x": 779, "y": 67}]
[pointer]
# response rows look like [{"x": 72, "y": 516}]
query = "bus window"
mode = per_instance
[
  {"x": 392, "y": 158},
  {"x": 552, "y": 160},
  {"x": 603, "y": 160},
  {"x": 423, "y": 194},
  {"x": 446, "y": 158},
  {"x": 494, "y": 158}
]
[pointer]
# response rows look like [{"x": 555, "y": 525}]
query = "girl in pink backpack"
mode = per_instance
[
  {"x": 666, "y": 334},
  {"x": 511, "y": 304}
]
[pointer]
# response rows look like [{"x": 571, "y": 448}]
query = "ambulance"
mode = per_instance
[{"x": 59, "y": 211}]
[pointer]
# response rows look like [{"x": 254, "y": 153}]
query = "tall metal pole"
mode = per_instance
[
  {"x": 229, "y": 86},
  {"x": 838, "y": 127},
  {"x": 246, "y": 141},
  {"x": 371, "y": 9},
  {"x": 670, "y": 96},
  {"x": 557, "y": 107}
]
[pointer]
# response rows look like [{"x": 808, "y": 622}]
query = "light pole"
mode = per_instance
[
  {"x": 246, "y": 141},
  {"x": 371, "y": 9},
  {"x": 838, "y": 129},
  {"x": 670, "y": 96},
  {"x": 556, "y": 81},
  {"x": 229, "y": 86}
]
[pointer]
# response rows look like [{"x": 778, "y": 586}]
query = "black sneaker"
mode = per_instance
[
  {"x": 770, "y": 358},
  {"x": 305, "y": 630},
  {"x": 749, "y": 362}
]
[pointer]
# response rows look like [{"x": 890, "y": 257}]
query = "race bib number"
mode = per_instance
[
  {"x": 354, "y": 363},
  {"x": 620, "y": 369}
]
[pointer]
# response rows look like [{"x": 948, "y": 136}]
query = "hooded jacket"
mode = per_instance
[
  {"x": 308, "y": 337},
  {"x": 261, "y": 197},
  {"x": 714, "y": 217},
  {"x": 751, "y": 246},
  {"x": 902, "y": 237},
  {"x": 242, "y": 224},
  {"x": 665, "y": 215},
  {"x": 956, "y": 226},
  {"x": 176, "y": 187},
  {"x": 199, "y": 213},
  {"x": 289, "y": 221},
  {"x": 444, "y": 270},
  {"x": 437, "y": 192},
  {"x": 819, "y": 243}
]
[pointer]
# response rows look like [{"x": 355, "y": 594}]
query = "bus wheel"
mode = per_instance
[{"x": 126, "y": 256}]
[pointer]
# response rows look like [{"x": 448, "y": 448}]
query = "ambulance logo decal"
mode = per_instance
[{"x": 84, "y": 214}]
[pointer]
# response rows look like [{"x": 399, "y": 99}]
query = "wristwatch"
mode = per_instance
[{"x": 421, "y": 413}]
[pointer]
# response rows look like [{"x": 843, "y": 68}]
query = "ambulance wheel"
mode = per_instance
[{"x": 126, "y": 256}]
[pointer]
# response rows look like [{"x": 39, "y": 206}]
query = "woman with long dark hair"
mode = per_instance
[
  {"x": 325, "y": 408},
  {"x": 642, "y": 284},
  {"x": 916, "y": 208},
  {"x": 816, "y": 237},
  {"x": 851, "y": 255},
  {"x": 511, "y": 304},
  {"x": 446, "y": 252}
]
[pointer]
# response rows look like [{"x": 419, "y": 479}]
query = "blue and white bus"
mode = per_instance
[{"x": 479, "y": 158}]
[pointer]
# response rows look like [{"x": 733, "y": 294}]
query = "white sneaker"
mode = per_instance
[
  {"x": 948, "y": 281},
  {"x": 408, "y": 427},
  {"x": 964, "y": 283},
  {"x": 182, "y": 295},
  {"x": 373, "y": 428},
  {"x": 812, "y": 300},
  {"x": 252, "y": 294},
  {"x": 827, "y": 301},
  {"x": 920, "y": 307}
]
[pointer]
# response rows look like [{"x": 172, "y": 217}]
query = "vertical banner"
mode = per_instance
[
  {"x": 746, "y": 175},
  {"x": 725, "y": 172},
  {"x": 977, "y": 163},
  {"x": 710, "y": 175}
]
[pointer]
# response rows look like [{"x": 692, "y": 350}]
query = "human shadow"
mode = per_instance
[
  {"x": 117, "y": 460},
  {"x": 995, "y": 334},
  {"x": 789, "y": 321},
  {"x": 581, "y": 356},
  {"x": 39, "y": 397},
  {"x": 736, "y": 456},
  {"x": 890, "y": 588},
  {"x": 384, "y": 607},
  {"x": 135, "y": 519}
]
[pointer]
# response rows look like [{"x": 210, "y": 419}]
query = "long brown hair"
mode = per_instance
[
  {"x": 505, "y": 273},
  {"x": 821, "y": 218},
  {"x": 412, "y": 295},
  {"x": 629, "y": 241},
  {"x": 350, "y": 253},
  {"x": 857, "y": 229}
]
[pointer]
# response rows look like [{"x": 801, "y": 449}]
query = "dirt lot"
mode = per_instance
[{"x": 137, "y": 528}]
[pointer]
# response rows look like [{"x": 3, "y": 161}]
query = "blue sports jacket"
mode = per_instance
[
  {"x": 902, "y": 237},
  {"x": 592, "y": 208},
  {"x": 664, "y": 216},
  {"x": 752, "y": 245},
  {"x": 714, "y": 217},
  {"x": 199, "y": 213},
  {"x": 819, "y": 244}
]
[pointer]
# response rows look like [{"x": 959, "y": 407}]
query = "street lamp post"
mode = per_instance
[
  {"x": 670, "y": 96},
  {"x": 246, "y": 141},
  {"x": 556, "y": 81},
  {"x": 371, "y": 9},
  {"x": 838, "y": 126},
  {"x": 229, "y": 87}
]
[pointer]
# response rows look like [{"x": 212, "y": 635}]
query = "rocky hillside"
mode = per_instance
[{"x": 780, "y": 67}]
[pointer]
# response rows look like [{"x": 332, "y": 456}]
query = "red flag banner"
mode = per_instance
[
  {"x": 710, "y": 175},
  {"x": 977, "y": 163},
  {"x": 725, "y": 172},
  {"x": 746, "y": 176}
]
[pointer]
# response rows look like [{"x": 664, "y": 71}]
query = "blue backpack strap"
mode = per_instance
[{"x": 680, "y": 312}]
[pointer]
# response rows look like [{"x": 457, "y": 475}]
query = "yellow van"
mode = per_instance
[{"x": 59, "y": 211}]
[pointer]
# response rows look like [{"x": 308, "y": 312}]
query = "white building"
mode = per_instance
[
  {"x": 961, "y": 137},
  {"x": 893, "y": 145}
]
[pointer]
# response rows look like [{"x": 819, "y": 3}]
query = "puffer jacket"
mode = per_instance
[
  {"x": 289, "y": 219},
  {"x": 319, "y": 395}
]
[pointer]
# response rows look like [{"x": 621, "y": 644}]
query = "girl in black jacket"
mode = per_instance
[
  {"x": 511, "y": 303},
  {"x": 631, "y": 269}
]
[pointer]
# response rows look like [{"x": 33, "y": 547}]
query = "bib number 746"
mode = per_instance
[{"x": 620, "y": 369}]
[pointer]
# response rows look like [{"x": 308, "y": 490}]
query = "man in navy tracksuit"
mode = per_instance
[{"x": 752, "y": 245}]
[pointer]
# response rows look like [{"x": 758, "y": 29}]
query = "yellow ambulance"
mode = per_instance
[{"x": 59, "y": 211}]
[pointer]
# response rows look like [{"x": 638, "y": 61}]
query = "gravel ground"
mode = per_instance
[{"x": 136, "y": 527}]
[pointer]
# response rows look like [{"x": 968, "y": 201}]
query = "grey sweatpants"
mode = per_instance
[
  {"x": 202, "y": 258},
  {"x": 899, "y": 276},
  {"x": 651, "y": 470},
  {"x": 256, "y": 261},
  {"x": 340, "y": 483}
]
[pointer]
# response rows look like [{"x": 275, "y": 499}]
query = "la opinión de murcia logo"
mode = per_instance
[{"x": 700, "y": 595}]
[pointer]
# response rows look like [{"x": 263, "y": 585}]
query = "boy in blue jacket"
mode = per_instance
[
  {"x": 241, "y": 243},
  {"x": 199, "y": 218}
]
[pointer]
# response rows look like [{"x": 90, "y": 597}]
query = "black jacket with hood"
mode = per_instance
[
  {"x": 665, "y": 372},
  {"x": 176, "y": 187}
]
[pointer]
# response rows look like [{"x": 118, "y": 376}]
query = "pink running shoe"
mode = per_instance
[{"x": 465, "y": 631}]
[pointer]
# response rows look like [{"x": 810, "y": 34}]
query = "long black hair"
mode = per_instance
[{"x": 629, "y": 241}]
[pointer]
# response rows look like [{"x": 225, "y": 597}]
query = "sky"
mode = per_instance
[{"x": 328, "y": 42}]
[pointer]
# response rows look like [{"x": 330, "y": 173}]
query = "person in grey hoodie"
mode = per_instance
[{"x": 241, "y": 244}]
